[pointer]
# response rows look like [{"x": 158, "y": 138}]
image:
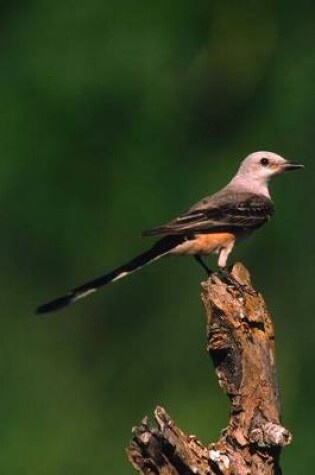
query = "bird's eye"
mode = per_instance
[{"x": 264, "y": 162}]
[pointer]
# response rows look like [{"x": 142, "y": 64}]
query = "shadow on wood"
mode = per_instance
[{"x": 240, "y": 341}]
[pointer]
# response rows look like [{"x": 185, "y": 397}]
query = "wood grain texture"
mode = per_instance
[{"x": 240, "y": 342}]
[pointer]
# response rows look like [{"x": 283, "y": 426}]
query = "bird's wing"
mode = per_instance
[{"x": 225, "y": 211}]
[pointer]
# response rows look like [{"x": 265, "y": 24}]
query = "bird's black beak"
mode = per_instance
[{"x": 288, "y": 166}]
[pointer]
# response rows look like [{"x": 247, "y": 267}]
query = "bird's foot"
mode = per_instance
[{"x": 232, "y": 281}]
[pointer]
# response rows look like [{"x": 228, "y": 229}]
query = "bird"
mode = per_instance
[{"x": 212, "y": 226}]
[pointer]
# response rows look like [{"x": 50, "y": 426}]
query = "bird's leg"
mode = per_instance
[
  {"x": 228, "y": 277},
  {"x": 203, "y": 264}
]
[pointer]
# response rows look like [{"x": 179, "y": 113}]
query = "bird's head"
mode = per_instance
[
  {"x": 262, "y": 166},
  {"x": 256, "y": 170}
]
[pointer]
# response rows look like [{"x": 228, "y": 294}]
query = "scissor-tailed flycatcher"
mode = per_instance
[{"x": 210, "y": 226}]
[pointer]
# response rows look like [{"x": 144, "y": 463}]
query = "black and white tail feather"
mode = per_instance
[{"x": 159, "y": 249}]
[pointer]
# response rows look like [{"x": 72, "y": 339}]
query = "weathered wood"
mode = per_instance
[{"x": 240, "y": 341}]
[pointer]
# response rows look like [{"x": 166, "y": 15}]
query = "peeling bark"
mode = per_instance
[{"x": 240, "y": 342}]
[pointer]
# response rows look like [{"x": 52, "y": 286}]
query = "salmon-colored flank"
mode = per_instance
[{"x": 205, "y": 243}]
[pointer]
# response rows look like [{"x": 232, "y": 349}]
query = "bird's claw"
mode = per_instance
[{"x": 241, "y": 288}]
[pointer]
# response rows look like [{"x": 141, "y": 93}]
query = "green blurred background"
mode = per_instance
[{"x": 116, "y": 116}]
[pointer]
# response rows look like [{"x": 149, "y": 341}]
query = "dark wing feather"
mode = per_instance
[{"x": 239, "y": 212}]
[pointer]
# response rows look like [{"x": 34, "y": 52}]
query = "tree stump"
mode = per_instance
[{"x": 240, "y": 342}]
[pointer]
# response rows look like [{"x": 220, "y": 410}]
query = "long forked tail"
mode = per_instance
[{"x": 160, "y": 248}]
